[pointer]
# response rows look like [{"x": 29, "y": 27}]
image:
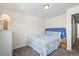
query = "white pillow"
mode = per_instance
[{"x": 53, "y": 33}]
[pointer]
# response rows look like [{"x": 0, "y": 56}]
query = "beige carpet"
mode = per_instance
[{"x": 28, "y": 51}]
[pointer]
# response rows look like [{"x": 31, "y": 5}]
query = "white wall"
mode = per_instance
[
  {"x": 58, "y": 21},
  {"x": 70, "y": 12},
  {"x": 23, "y": 26}
]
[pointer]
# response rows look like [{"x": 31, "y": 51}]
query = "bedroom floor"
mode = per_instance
[{"x": 28, "y": 51}]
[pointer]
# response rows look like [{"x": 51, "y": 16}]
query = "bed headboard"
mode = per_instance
[{"x": 62, "y": 30}]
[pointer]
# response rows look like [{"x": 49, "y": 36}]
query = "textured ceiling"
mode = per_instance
[{"x": 36, "y": 9}]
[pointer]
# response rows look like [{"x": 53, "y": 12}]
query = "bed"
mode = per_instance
[{"x": 46, "y": 43}]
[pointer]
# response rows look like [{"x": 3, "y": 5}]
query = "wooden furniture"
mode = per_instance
[
  {"x": 5, "y": 43},
  {"x": 63, "y": 43}
]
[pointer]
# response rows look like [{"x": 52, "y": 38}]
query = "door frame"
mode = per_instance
[{"x": 70, "y": 12}]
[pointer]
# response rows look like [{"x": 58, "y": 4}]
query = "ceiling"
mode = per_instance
[{"x": 36, "y": 9}]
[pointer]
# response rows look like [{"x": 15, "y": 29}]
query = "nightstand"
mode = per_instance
[{"x": 63, "y": 43}]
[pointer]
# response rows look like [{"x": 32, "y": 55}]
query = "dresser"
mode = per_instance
[{"x": 5, "y": 43}]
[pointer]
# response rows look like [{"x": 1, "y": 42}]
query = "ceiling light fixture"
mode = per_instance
[{"x": 46, "y": 6}]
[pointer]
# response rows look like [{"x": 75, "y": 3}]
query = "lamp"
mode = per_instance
[{"x": 5, "y": 19}]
